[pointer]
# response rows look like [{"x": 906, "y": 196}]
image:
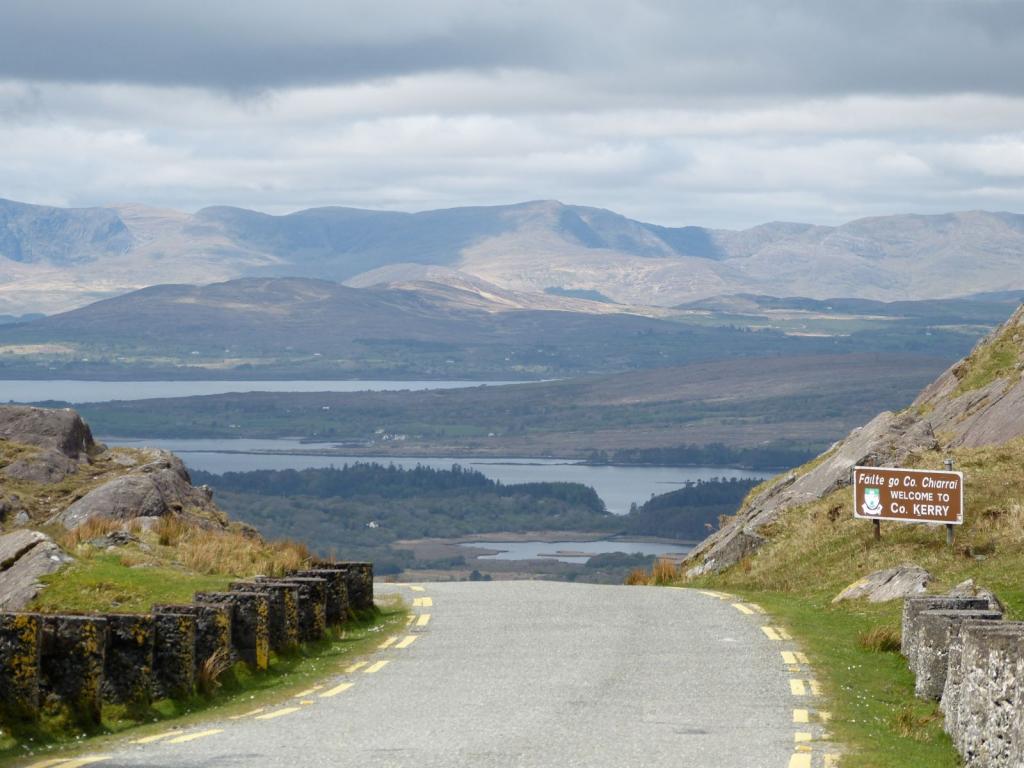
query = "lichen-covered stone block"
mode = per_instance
[
  {"x": 213, "y": 629},
  {"x": 283, "y": 602},
  {"x": 20, "y": 655},
  {"x": 128, "y": 665},
  {"x": 71, "y": 665},
  {"x": 312, "y": 606},
  {"x": 358, "y": 579},
  {"x": 250, "y": 624},
  {"x": 913, "y": 606},
  {"x": 337, "y": 607},
  {"x": 990, "y": 696},
  {"x": 174, "y": 659},
  {"x": 936, "y": 632}
]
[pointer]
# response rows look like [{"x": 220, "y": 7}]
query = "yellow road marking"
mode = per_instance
[
  {"x": 800, "y": 760},
  {"x": 307, "y": 692},
  {"x": 355, "y": 667},
  {"x": 771, "y": 633},
  {"x": 407, "y": 641},
  {"x": 801, "y": 736},
  {"x": 801, "y": 658},
  {"x": 387, "y": 643},
  {"x": 742, "y": 609},
  {"x": 84, "y": 761},
  {"x": 278, "y": 713},
  {"x": 788, "y": 657},
  {"x": 411, "y": 619},
  {"x": 783, "y": 633},
  {"x": 50, "y": 763},
  {"x": 756, "y": 608},
  {"x": 423, "y": 602},
  {"x": 815, "y": 688},
  {"x": 375, "y": 667},
  {"x": 417, "y": 589},
  {"x": 247, "y": 714},
  {"x": 709, "y": 594},
  {"x": 825, "y": 716},
  {"x": 797, "y": 687},
  {"x": 831, "y": 761},
  {"x": 423, "y": 620},
  {"x": 306, "y": 702},
  {"x": 193, "y": 736},
  {"x": 156, "y": 737},
  {"x": 341, "y": 688},
  {"x": 801, "y": 716}
]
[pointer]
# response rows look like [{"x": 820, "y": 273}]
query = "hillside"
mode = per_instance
[
  {"x": 54, "y": 259},
  {"x": 86, "y": 527}
]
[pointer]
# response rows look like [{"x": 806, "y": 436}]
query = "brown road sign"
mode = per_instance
[{"x": 908, "y": 495}]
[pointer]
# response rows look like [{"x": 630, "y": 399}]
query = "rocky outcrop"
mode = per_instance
[
  {"x": 891, "y": 584},
  {"x": 887, "y": 440},
  {"x": 158, "y": 487},
  {"x": 60, "y": 430},
  {"x": 25, "y": 557},
  {"x": 44, "y": 468},
  {"x": 979, "y": 401}
]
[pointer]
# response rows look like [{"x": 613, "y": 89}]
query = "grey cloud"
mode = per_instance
[{"x": 669, "y": 49}]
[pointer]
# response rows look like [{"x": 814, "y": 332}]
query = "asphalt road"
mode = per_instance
[{"x": 535, "y": 674}]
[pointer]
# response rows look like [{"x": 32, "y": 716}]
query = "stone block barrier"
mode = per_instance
[
  {"x": 936, "y": 632},
  {"x": 914, "y": 606},
  {"x": 20, "y": 659},
  {"x": 312, "y": 606},
  {"x": 250, "y": 624},
  {"x": 213, "y": 629},
  {"x": 336, "y": 608},
  {"x": 283, "y": 606},
  {"x": 964, "y": 654},
  {"x": 174, "y": 654},
  {"x": 69, "y": 665},
  {"x": 128, "y": 666}
]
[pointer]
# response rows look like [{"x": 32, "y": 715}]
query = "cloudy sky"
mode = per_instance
[{"x": 723, "y": 113}]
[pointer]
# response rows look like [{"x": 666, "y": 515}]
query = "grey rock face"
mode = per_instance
[
  {"x": 61, "y": 430},
  {"x": 160, "y": 487},
  {"x": 47, "y": 467},
  {"x": 890, "y": 584},
  {"x": 887, "y": 440},
  {"x": 25, "y": 557},
  {"x": 970, "y": 589}
]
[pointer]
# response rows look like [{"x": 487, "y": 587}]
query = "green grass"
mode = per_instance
[
  {"x": 101, "y": 583},
  {"x": 992, "y": 361},
  {"x": 242, "y": 691}
]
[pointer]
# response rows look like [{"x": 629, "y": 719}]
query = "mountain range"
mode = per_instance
[{"x": 55, "y": 259}]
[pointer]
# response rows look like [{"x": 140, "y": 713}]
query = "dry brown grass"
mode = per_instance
[
  {"x": 93, "y": 528},
  {"x": 665, "y": 572},
  {"x": 880, "y": 640},
  {"x": 638, "y": 577},
  {"x": 231, "y": 552},
  {"x": 208, "y": 679}
]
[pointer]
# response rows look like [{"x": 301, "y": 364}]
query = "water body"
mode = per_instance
[
  {"x": 617, "y": 486},
  {"x": 72, "y": 391},
  {"x": 547, "y": 550}
]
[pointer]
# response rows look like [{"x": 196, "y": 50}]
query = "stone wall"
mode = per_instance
[
  {"x": 69, "y": 665},
  {"x": 964, "y": 655}
]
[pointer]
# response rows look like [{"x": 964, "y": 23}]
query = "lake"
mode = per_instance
[
  {"x": 617, "y": 486},
  {"x": 547, "y": 550},
  {"x": 72, "y": 391}
]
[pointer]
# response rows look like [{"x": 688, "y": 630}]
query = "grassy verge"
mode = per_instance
[
  {"x": 868, "y": 688},
  {"x": 241, "y": 691}
]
